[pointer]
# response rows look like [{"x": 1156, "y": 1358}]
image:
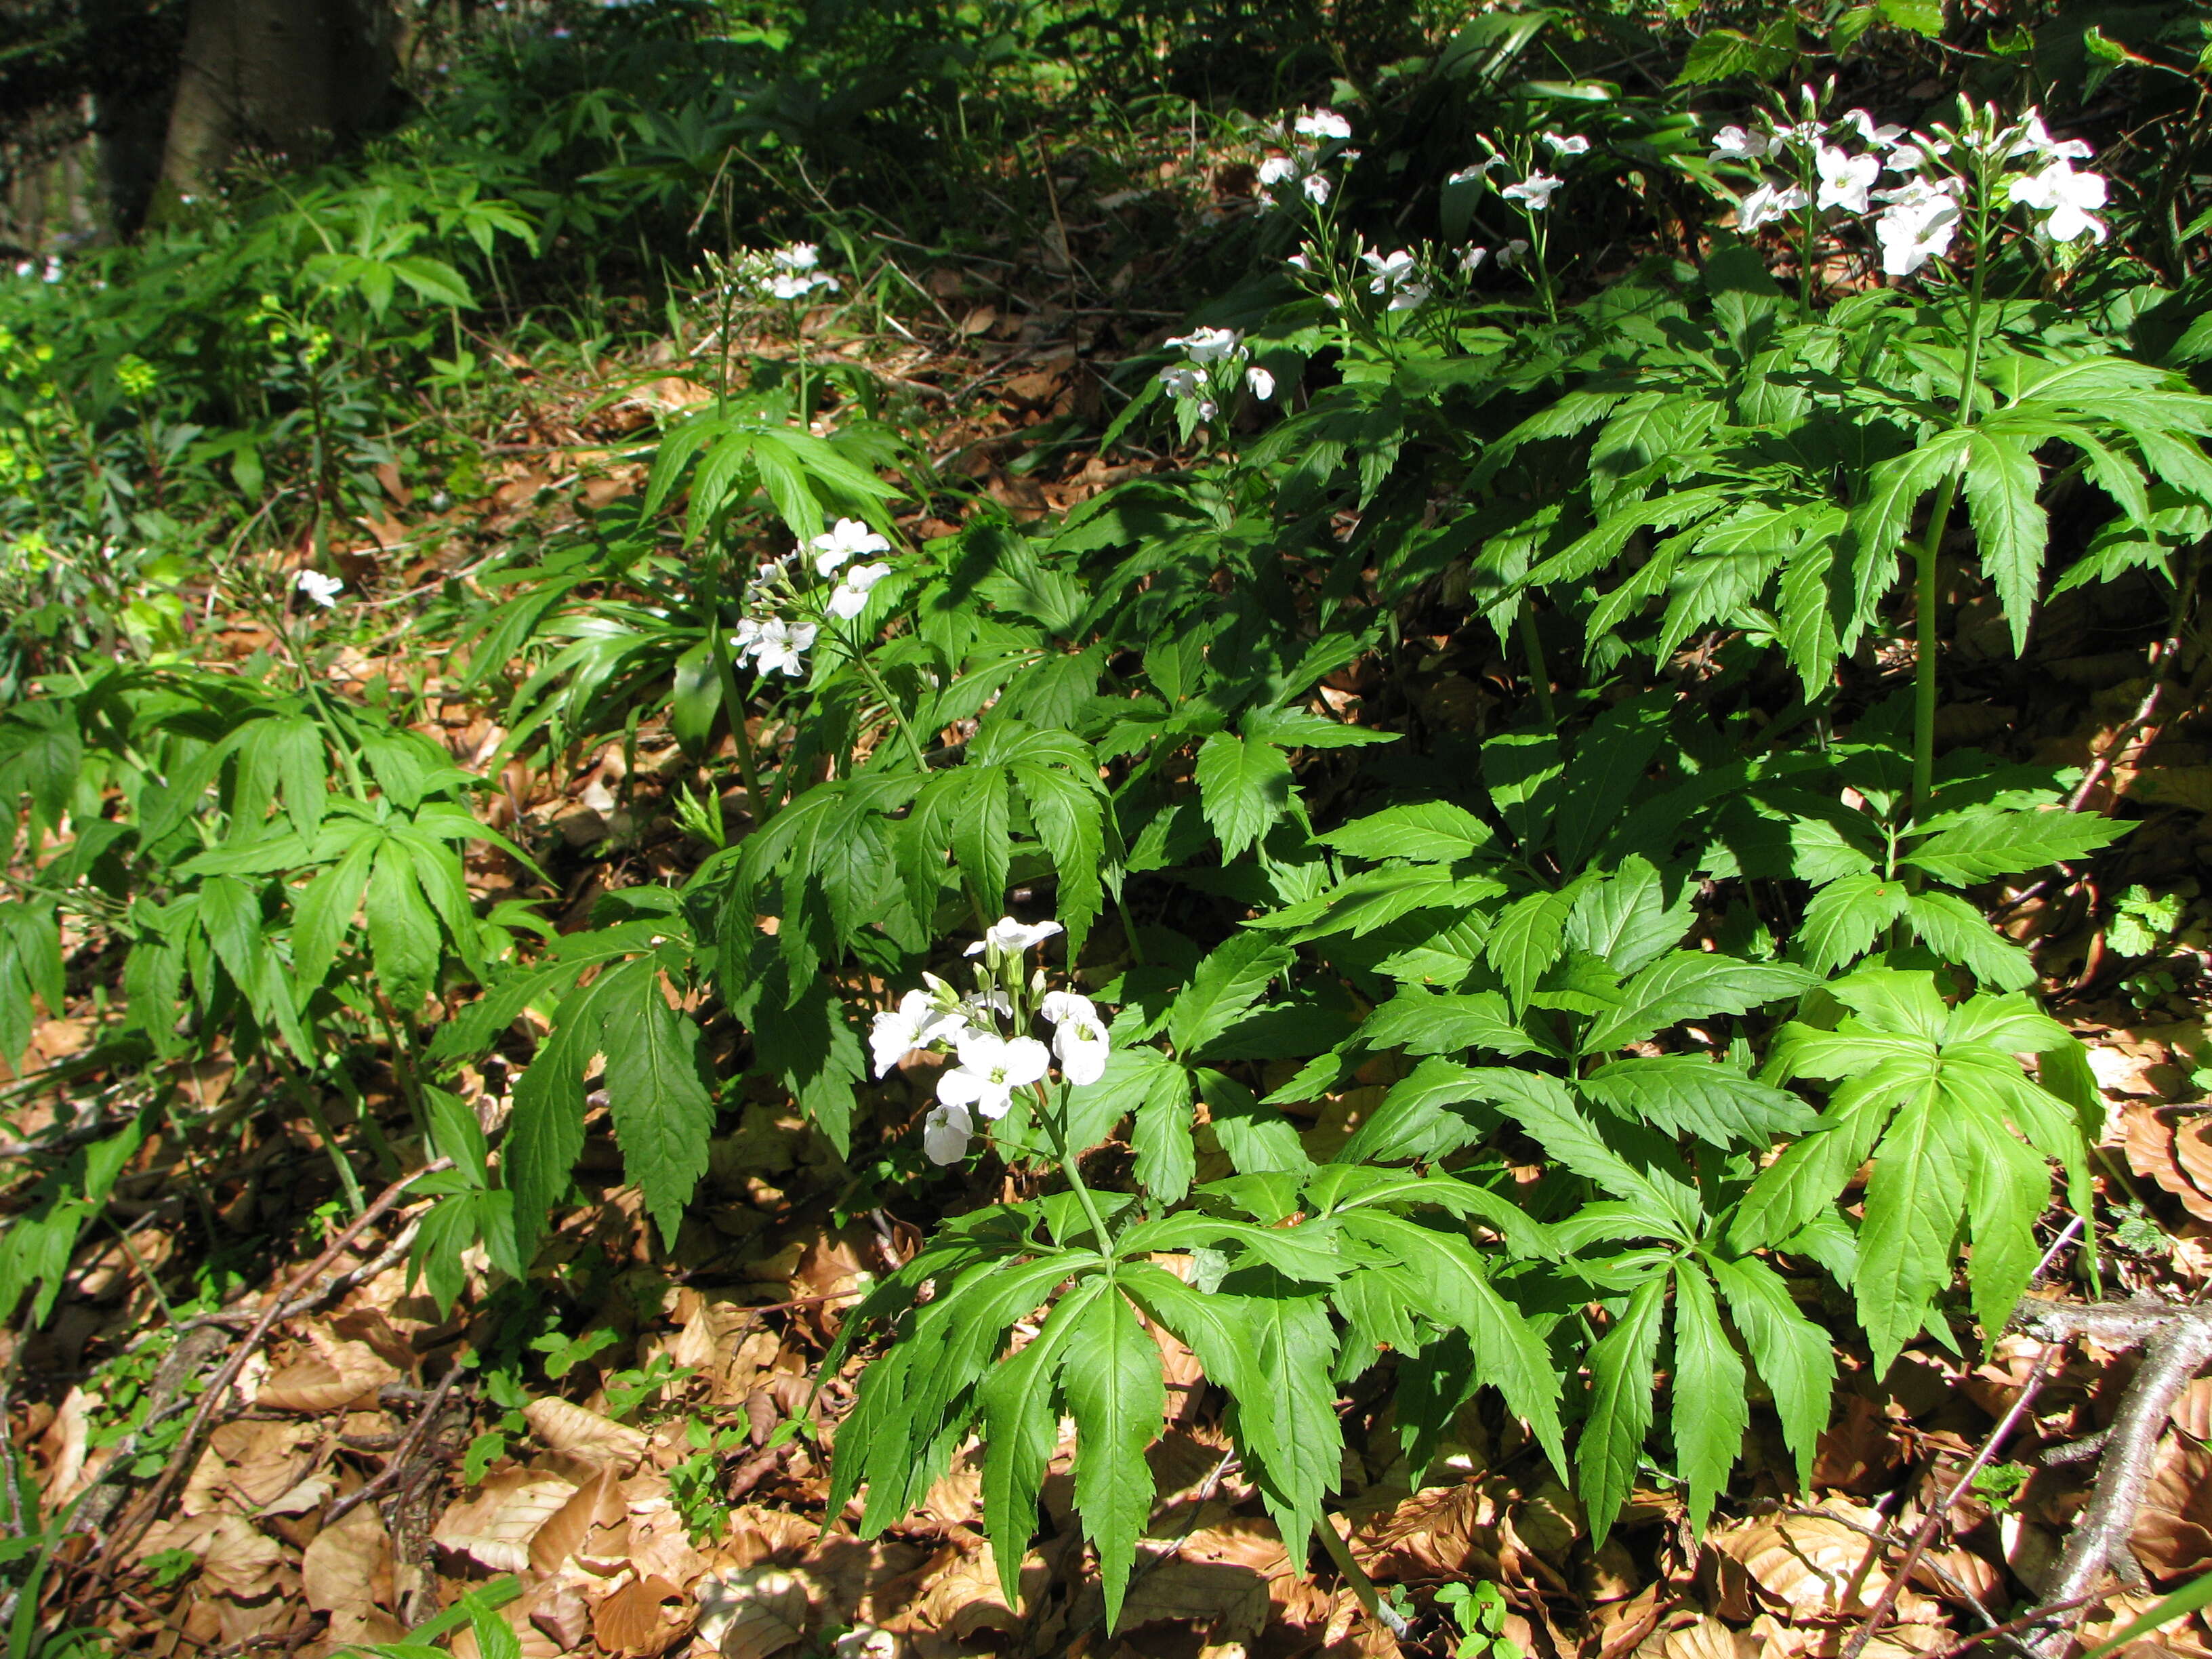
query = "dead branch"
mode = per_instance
[
  {"x": 141, "y": 1515},
  {"x": 2177, "y": 1342}
]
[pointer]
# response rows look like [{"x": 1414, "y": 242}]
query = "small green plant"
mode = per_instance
[{"x": 1479, "y": 1610}]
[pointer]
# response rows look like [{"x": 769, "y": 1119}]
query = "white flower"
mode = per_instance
[
  {"x": 1068, "y": 1005},
  {"x": 798, "y": 256},
  {"x": 323, "y": 590},
  {"x": 1186, "y": 383},
  {"x": 1738, "y": 145},
  {"x": 1845, "y": 178},
  {"x": 1260, "y": 383},
  {"x": 1211, "y": 345},
  {"x": 1767, "y": 204},
  {"x": 1883, "y": 137},
  {"x": 1470, "y": 258},
  {"x": 1911, "y": 158},
  {"x": 1512, "y": 253},
  {"x": 1576, "y": 145},
  {"x": 1535, "y": 191},
  {"x": 1006, "y": 936},
  {"x": 991, "y": 1068},
  {"x": 2065, "y": 197},
  {"x": 1917, "y": 225},
  {"x": 1079, "y": 1041},
  {"x": 1300, "y": 261},
  {"x": 1315, "y": 186},
  {"x": 945, "y": 1133},
  {"x": 1481, "y": 170},
  {"x": 779, "y": 645},
  {"x": 1411, "y": 296},
  {"x": 1278, "y": 170},
  {"x": 848, "y": 539},
  {"x": 850, "y": 596},
  {"x": 793, "y": 286},
  {"x": 1391, "y": 270},
  {"x": 2035, "y": 140},
  {"x": 1321, "y": 124},
  {"x": 917, "y": 1023}
]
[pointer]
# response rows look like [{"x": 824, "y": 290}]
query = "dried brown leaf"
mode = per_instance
[
  {"x": 568, "y": 1427},
  {"x": 345, "y": 1374},
  {"x": 752, "y": 1612},
  {"x": 496, "y": 1526},
  {"x": 348, "y": 1565},
  {"x": 644, "y": 1617}
]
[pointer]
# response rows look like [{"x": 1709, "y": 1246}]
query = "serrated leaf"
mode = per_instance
[
  {"x": 1430, "y": 831},
  {"x": 1913, "y": 1201},
  {"x": 1683, "y": 1094},
  {"x": 1795, "y": 1357},
  {"x": 1844, "y": 916},
  {"x": 1708, "y": 1412},
  {"x": 1441, "y": 1275},
  {"x": 1956, "y": 932},
  {"x": 1412, "y": 1122},
  {"x": 1294, "y": 1348},
  {"x": 2010, "y": 529},
  {"x": 1527, "y": 938},
  {"x": 1623, "y": 1364},
  {"x": 2002, "y": 843},
  {"x": 1625, "y": 918},
  {"x": 1229, "y": 981},
  {"x": 1115, "y": 1394},
  {"x": 1439, "y": 1023},
  {"x": 1690, "y": 985},
  {"x": 1020, "y": 1428},
  {"x": 1243, "y": 788},
  {"x": 403, "y": 929},
  {"x": 663, "y": 1114},
  {"x": 1166, "y": 1154}
]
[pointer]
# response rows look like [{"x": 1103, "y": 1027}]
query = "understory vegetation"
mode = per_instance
[{"x": 1166, "y": 828}]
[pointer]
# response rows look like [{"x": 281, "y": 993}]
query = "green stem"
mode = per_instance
[
  {"x": 1924, "y": 649},
  {"x": 1540, "y": 676},
  {"x": 1363, "y": 1587},
  {"x": 1056, "y": 1127},
  {"x": 733, "y": 704},
  {"x": 303, "y": 1091},
  {"x": 877, "y": 684}
]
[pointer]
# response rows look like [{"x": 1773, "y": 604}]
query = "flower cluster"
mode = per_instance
[
  {"x": 1396, "y": 276},
  {"x": 1919, "y": 217},
  {"x": 1209, "y": 355},
  {"x": 1301, "y": 165},
  {"x": 988, "y": 1033},
  {"x": 784, "y": 606},
  {"x": 789, "y": 274}
]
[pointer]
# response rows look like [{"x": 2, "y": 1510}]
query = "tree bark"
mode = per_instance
[{"x": 290, "y": 75}]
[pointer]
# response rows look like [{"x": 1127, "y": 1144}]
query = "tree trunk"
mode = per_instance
[{"x": 289, "y": 76}]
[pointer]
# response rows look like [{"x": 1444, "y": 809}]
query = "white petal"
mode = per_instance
[
  {"x": 959, "y": 1086},
  {"x": 1025, "y": 1060}
]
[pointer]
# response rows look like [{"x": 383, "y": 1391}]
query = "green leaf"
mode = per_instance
[
  {"x": 1166, "y": 1154},
  {"x": 1690, "y": 985},
  {"x": 1956, "y": 932},
  {"x": 1625, "y": 919},
  {"x": 663, "y": 1114},
  {"x": 1294, "y": 1347},
  {"x": 1912, "y": 1205},
  {"x": 1525, "y": 940},
  {"x": 1683, "y": 1094},
  {"x": 322, "y": 912},
  {"x": 1229, "y": 981},
  {"x": 403, "y": 929},
  {"x": 1440, "y": 1274},
  {"x": 1438, "y": 1023},
  {"x": 1795, "y": 1357},
  {"x": 1257, "y": 1138},
  {"x": 1844, "y": 916},
  {"x": 1622, "y": 1366},
  {"x": 1115, "y": 1394},
  {"x": 1243, "y": 788},
  {"x": 1020, "y": 1428},
  {"x": 1430, "y": 831},
  {"x": 1411, "y": 1122},
  {"x": 1708, "y": 1413},
  {"x": 2010, "y": 528},
  {"x": 545, "y": 1134},
  {"x": 2005, "y": 843}
]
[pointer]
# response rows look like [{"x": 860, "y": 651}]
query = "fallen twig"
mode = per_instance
[
  {"x": 2177, "y": 1341},
  {"x": 141, "y": 1515},
  {"x": 2012, "y": 1627},
  {"x": 397, "y": 1461},
  {"x": 1933, "y": 1520}
]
